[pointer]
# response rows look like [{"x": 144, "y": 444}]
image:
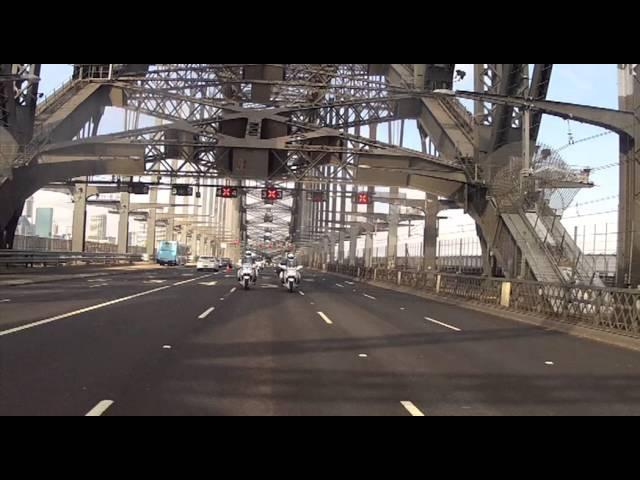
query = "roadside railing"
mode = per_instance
[{"x": 13, "y": 258}]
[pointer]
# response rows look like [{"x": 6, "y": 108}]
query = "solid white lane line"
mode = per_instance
[
  {"x": 369, "y": 296},
  {"x": 99, "y": 409},
  {"x": 412, "y": 409},
  {"x": 88, "y": 309},
  {"x": 325, "y": 318},
  {"x": 455, "y": 329},
  {"x": 78, "y": 312},
  {"x": 206, "y": 314},
  {"x": 192, "y": 280}
]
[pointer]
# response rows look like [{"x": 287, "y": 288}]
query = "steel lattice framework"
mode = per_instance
[
  {"x": 294, "y": 117},
  {"x": 309, "y": 125}
]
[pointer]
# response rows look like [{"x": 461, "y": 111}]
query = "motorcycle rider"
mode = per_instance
[
  {"x": 246, "y": 262},
  {"x": 289, "y": 262}
]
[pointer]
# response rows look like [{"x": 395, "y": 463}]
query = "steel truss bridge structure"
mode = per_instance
[{"x": 320, "y": 128}]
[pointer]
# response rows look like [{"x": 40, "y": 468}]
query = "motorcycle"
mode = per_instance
[
  {"x": 247, "y": 275},
  {"x": 291, "y": 277}
]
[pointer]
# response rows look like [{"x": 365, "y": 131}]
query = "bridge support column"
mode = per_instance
[
  {"x": 430, "y": 240},
  {"x": 629, "y": 211},
  {"x": 488, "y": 265},
  {"x": 325, "y": 252},
  {"x": 232, "y": 229},
  {"x": 123, "y": 223},
  {"x": 8, "y": 232},
  {"x": 368, "y": 250},
  {"x": 171, "y": 225},
  {"x": 331, "y": 252},
  {"x": 392, "y": 241},
  {"x": 194, "y": 243},
  {"x": 341, "y": 240},
  {"x": 79, "y": 225},
  {"x": 151, "y": 223},
  {"x": 371, "y": 234},
  {"x": 353, "y": 245},
  {"x": 171, "y": 222}
]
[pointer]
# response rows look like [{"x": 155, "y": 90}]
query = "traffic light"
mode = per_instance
[
  {"x": 364, "y": 198},
  {"x": 271, "y": 194},
  {"x": 138, "y": 189},
  {"x": 227, "y": 192},
  {"x": 182, "y": 191}
]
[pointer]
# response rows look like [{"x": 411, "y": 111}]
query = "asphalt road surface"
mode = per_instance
[{"x": 177, "y": 342}]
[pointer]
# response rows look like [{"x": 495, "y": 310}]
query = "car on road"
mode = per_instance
[{"x": 206, "y": 264}]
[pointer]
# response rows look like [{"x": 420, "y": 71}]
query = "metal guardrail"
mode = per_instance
[
  {"x": 610, "y": 309},
  {"x": 10, "y": 258}
]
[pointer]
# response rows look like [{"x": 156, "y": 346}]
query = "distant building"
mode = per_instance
[
  {"x": 28, "y": 209},
  {"x": 138, "y": 235},
  {"x": 44, "y": 222},
  {"x": 25, "y": 227},
  {"x": 98, "y": 228},
  {"x": 161, "y": 234}
]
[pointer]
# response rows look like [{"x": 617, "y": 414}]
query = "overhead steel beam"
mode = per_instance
[
  {"x": 619, "y": 121},
  {"x": 540, "y": 81}
]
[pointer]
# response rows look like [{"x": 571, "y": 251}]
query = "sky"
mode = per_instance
[{"x": 590, "y": 84}]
